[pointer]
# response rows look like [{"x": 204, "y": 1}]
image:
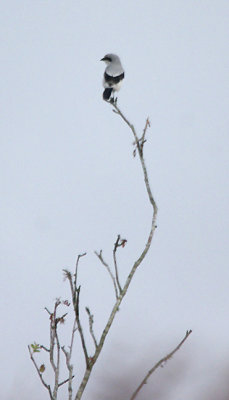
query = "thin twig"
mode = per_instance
[
  {"x": 142, "y": 140},
  {"x": 116, "y": 245},
  {"x": 52, "y": 341},
  {"x": 75, "y": 300},
  {"x": 40, "y": 374},
  {"x": 158, "y": 364},
  {"x": 100, "y": 257},
  {"x": 79, "y": 326},
  {"x": 45, "y": 348},
  {"x": 140, "y": 152},
  {"x": 76, "y": 269},
  {"x": 74, "y": 329},
  {"x": 75, "y": 291},
  {"x": 65, "y": 381},
  {"x": 147, "y": 124},
  {"x": 70, "y": 370},
  {"x": 91, "y": 322},
  {"x": 53, "y": 350},
  {"x": 68, "y": 361},
  {"x": 68, "y": 275},
  {"x": 57, "y": 371}
]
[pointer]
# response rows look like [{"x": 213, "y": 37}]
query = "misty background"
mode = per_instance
[{"x": 69, "y": 184}]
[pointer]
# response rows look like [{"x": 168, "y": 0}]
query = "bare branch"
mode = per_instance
[
  {"x": 140, "y": 152},
  {"x": 52, "y": 344},
  {"x": 147, "y": 124},
  {"x": 57, "y": 370},
  {"x": 40, "y": 374},
  {"x": 68, "y": 276},
  {"x": 66, "y": 380},
  {"x": 79, "y": 326},
  {"x": 53, "y": 350},
  {"x": 114, "y": 311},
  {"x": 45, "y": 348},
  {"x": 75, "y": 292},
  {"x": 54, "y": 341},
  {"x": 83, "y": 384},
  {"x": 100, "y": 257},
  {"x": 137, "y": 262},
  {"x": 68, "y": 362},
  {"x": 142, "y": 140},
  {"x": 75, "y": 300},
  {"x": 91, "y": 322},
  {"x": 76, "y": 270},
  {"x": 48, "y": 311},
  {"x": 70, "y": 370},
  {"x": 53, "y": 335},
  {"x": 116, "y": 245},
  {"x": 74, "y": 329},
  {"x": 160, "y": 363}
]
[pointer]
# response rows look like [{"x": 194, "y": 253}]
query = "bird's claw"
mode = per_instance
[{"x": 113, "y": 100}]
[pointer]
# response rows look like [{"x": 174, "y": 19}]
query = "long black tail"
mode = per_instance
[{"x": 107, "y": 93}]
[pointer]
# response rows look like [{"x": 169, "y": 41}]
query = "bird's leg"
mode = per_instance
[{"x": 114, "y": 99}]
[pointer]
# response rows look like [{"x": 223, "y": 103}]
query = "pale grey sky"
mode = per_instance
[{"x": 69, "y": 182}]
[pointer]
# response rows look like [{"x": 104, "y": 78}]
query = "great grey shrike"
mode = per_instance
[{"x": 113, "y": 75}]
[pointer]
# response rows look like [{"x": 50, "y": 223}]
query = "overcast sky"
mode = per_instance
[{"x": 69, "y": 184}]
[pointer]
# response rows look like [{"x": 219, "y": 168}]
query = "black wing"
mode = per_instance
[
  {"x": 107, "y": 93},
  {"x": 113, "y": 79}
]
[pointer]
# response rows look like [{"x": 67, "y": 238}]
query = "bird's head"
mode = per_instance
[{"x": 108, "y": 58}]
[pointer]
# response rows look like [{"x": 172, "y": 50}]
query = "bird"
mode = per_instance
[{"x": 113, "y": 75}]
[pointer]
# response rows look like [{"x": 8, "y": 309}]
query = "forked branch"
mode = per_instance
[
  {"x": 100, "y": 257},
  {"x": 53, "y": 351},
  {"x": 40, "y": 373},
  {"x": 122, "y": 291}
]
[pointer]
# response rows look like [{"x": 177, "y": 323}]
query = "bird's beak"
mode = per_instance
[{"x": 102, "y": 59}]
